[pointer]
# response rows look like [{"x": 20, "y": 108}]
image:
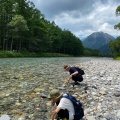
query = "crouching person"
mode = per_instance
[
  {"x": 64, "y": 109},
  {"x": 75, "y": 74}
]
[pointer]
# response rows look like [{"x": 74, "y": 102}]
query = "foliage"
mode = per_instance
[
  {"x": 23, "y": 28},
  {"x": 17, "y": 26},
  {"x": 8, "y": 54},
  {"x": 117, "y": 26},
  {"x": 92, "y": 52},
  {"x": 117, "y": 58},
  {"x": 115, "y": 46},
  {"x": 118, "y": 10},
  {"x": 117, "y": 14}
]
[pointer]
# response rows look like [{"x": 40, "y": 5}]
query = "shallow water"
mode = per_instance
[
  {"x": 21, "y": 72},
  {"x": 19, "y": 77}
]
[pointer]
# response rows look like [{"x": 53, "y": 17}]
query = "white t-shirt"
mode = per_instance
[{"x": 67, "y": 104}]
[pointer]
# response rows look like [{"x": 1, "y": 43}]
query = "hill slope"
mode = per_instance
[{"x": 98, "y": 40}]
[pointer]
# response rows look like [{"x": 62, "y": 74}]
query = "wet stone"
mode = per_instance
[
  {"x": 26, "y": 83},
  {"x": 117, "y": 94}
]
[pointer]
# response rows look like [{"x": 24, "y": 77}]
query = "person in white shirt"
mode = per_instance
[{"x": 64, "y": 106}]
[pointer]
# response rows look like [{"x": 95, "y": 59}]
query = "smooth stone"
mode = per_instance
[
  {"x": 107, "y": 115},
  {"x": 117, "y": 94},
  {"x": 118, "y": 114},
  {"x": 5, "y": 117},
  {"x": 94, "y": 93},
  {"x": 90, "y": 117}
]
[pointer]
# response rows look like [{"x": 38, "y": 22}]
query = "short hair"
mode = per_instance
[{"x": 66, "y": 66}]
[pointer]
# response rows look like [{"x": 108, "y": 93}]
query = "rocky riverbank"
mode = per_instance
[
  {"x": 102, "y": 95},
  {"x": 23, "y": 96}
]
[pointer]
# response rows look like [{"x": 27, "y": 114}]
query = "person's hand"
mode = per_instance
[
  {"x": 70, "y": 76},
  {"x": 65, "y": 83},
  {"x": 53, "y": 103}
]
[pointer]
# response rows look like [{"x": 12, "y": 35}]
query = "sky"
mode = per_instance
[{"x": 81, "y": 17}]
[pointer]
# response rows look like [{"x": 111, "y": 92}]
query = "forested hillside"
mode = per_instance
[{"x": 24, "y": 28}]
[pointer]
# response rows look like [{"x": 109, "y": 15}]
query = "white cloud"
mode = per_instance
[{"x": 82, "y": 17}]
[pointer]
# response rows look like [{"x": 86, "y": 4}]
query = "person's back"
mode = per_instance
[
  {"x": 74, "y": 74},
  {"x": 78, "y": 106},
  {"x": 66, "y": 104},
  {"x": 77, "y": 77},
  {"x": 63, "y": 104}
]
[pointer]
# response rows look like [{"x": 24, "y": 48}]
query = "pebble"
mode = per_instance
[
  {"x": 5, "y": 117},
  {"x": 24, "y": 89}
]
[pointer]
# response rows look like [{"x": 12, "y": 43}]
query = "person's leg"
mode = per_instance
[
  {"x": 63, "y": 114},
  {"x": 74, "y": 78},
  {"x": 78, "y": 78},
  {"x": 66, "y": 115}
]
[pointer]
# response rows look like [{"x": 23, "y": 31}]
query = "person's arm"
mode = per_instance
[
  {"x": 76, "y": 72},
  {"x": 55, "y": 113}
]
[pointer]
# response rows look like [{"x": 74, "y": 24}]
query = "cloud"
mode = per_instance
[
  {"x": 82, "y": 17},
  {"x": 53, "y": 7}
]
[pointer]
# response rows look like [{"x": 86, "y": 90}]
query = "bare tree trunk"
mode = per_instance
[
  {"x": 3, "y": 44},
  {"x": 20, "y": 45},
  {"x": 6, "y": 43},
  {"x": 11, "y": 44}
]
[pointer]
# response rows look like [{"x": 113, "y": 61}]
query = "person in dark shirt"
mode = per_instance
[{"x": 74, "y": 74}]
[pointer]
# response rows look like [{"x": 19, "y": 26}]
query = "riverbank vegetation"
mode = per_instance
[
  {"x": 12, "y": 54},
  {"x": 9, "y": 54},
  {"x": 115, "y": 45},
  {"x": 117, "y": 58}
]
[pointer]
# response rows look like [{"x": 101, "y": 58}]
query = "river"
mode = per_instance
[{"x": 24, "y": 80}]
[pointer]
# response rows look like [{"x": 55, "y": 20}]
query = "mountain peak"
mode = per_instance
[{"x": 97, "y": 40}]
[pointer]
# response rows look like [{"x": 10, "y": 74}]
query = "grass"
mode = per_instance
[
  {"x": 12, "y": 54},
  {"x": 117, "y": 58}
]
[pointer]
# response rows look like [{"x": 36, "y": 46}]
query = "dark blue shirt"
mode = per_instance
[{"x": 72, "y": 70}]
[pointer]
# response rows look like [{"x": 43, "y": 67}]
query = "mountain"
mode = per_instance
[{"x": 98, "y": 40}]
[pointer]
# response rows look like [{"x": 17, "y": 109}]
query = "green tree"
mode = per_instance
[
  {"x": 17, "y": 27},
  {"x": 24, "y": 28},
  {"x": 57, "y": 43},
  {"x": 92, "y": 52},
  {"x": 54, "y": 38},
  {"x": 6, "y": 13},
  {"x": 115, "y": 46},
  {"x": 117, "y": 14},
  {"x": 71, "y": 44}
]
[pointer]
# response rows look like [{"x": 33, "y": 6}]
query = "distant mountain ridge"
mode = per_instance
[{"x": 98, "y": 40}]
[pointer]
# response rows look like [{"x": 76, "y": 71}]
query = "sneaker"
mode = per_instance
[{"x": 76, "y": 83}]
